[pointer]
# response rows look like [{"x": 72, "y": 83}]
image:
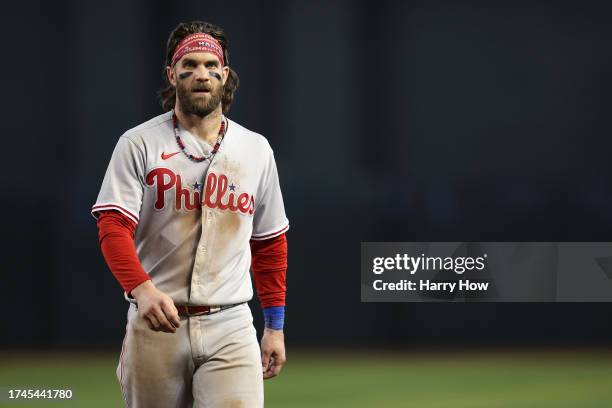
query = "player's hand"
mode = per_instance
[
  {"x": 156, "y": 308},
  {"x": 272, "y": 352}
]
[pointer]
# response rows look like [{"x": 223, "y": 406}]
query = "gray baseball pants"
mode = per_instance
[{"x": 212, "y": 360}]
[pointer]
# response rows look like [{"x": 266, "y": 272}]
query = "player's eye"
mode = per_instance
[{"x": 211, "y": 65}]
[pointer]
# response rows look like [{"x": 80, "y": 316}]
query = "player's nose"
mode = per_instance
[{"x": 201, "y": 73}]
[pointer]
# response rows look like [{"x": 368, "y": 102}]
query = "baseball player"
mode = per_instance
[{"x": 190, "y": 201}]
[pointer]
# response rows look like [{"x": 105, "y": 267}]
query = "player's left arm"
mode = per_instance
[{"x": 269, "y": 266}]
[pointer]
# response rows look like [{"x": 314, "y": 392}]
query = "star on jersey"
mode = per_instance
[
  {"x": 196, "y": 186},
  {"x": 232, "y": 187}
]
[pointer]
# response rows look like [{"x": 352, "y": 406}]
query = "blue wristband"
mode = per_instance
[{"x": 274, "y": 317}]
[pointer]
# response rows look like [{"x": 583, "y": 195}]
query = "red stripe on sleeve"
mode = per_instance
[
  {"x": 269, "y": 266},
  {"x": 116, "y": 237}
]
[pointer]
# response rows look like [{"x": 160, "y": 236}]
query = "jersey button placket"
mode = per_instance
[
  {"x": 199, "y": 267},
  {"x": 202, "y": 259}
]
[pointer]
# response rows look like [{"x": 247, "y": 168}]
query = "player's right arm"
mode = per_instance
[
  {"x": 116, "y": 237},
  {"x": 117, "y": 209}
]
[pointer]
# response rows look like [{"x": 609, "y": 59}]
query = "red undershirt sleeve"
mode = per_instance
[
  {"x": 116, "y": 238},
  {"x": 269, "y": 266}
]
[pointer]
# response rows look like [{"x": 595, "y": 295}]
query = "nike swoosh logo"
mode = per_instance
[{"x": 165, "y": 156}]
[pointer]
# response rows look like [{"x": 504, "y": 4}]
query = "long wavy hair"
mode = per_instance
[{"x": 167, "y": 95}]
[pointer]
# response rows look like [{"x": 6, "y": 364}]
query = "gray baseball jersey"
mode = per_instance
[{"x": 195, "y": 220}]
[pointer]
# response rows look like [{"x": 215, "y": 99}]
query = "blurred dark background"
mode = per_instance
[{"x": 390, "y": 121}]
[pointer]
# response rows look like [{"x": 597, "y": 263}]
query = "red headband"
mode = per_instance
[{"x": 198, "y": 42}]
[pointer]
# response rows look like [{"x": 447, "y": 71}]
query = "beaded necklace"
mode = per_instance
[{"x": 197, "y": 159}]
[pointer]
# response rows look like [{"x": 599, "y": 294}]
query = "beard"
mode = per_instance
[{"x": 200, "y": 105}]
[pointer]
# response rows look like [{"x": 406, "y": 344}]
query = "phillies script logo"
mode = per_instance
[{"x": 215, "y": 193}]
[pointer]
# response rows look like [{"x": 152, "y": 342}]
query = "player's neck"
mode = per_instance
[{"x": 206, "y": 128}]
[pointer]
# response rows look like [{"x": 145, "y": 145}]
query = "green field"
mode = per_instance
[{"x": 489, "y": 379}]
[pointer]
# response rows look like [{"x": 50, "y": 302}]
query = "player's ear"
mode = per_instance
[
  {"x": 225, "y": 72},
  {"x": 171, "y": 76}
]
